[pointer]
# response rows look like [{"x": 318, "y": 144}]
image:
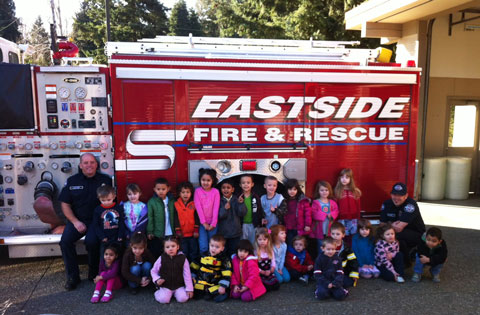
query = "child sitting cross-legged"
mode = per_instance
[
  {"x": 329, "y": 273},
  {"x": 212, "y": 272},
  {"x": 299, "y": 263}
]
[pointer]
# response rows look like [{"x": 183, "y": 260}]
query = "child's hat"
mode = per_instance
[{"x": 399, "y": 189}]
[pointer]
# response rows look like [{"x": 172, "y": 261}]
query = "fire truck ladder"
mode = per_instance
[{"x": 244, "y": 48}]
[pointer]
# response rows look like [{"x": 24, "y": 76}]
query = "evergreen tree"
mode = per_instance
[
  {"x": 179, "y": 20},
  {"x": 9, "y": 23},
  {"x": 38, "y": 41},
  {"x": 290, "y": 19},
  {"x": 130, "y": 20},
  {"x": 194, "y": 23}
]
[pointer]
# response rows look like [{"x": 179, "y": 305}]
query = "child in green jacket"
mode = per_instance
[{"x": 161, "y": 212}]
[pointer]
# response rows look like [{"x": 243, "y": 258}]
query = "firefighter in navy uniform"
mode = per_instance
[
  {"x": 79, "y": 199},
  {"x": 404, "y": 214}
]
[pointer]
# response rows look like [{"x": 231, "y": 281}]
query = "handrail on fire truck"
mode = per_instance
[{"x": 244, "y": 48}]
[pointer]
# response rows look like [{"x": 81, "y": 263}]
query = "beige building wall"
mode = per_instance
[{"x": 454, "y": 74}]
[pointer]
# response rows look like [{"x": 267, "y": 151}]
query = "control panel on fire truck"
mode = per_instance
[
  {"x": 72, "y": 118},
  {"x": 72, "y": 101}
]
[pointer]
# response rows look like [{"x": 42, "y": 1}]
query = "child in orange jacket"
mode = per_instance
[{"x": 186, "y": 221}]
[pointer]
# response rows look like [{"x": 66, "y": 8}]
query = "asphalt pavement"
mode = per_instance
[{"x": 35, "y": 286}]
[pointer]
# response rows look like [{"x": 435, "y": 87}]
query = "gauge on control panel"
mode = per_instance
[
  {"x": 80, "y": 92},
  {"x": 64, "y": 92}
]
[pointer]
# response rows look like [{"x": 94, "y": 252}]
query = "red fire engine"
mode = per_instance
[{"x": 290, "y": 109}]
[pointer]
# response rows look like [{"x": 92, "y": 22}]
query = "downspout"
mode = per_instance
[{"x": 425, "y": 96}]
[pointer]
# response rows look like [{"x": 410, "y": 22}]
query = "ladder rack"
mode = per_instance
[{"x": 243, "y": 48}]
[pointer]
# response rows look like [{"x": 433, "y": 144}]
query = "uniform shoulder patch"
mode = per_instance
[{"x": 409, "y": 208}]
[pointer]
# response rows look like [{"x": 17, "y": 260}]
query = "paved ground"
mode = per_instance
[{"x": 35, "y": 286}]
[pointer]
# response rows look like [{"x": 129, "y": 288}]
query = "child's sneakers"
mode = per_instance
[
  {"x": 107, "y": 296},
  {"x": 436, "y": 278},
  {"x": 400, "y": 279},
  {"x": 416, "y": 277},
  {"x": 304, "y": 279}
]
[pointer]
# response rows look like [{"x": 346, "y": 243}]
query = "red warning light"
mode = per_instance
[{"x": 248, "y": 165}]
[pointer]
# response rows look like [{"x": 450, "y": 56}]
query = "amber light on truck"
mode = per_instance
[{"x": 248, "y": 165}]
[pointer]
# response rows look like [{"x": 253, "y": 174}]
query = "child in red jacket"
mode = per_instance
[
  {"x": 246, "y": 283},
  {"x": 299, "y": 263}
]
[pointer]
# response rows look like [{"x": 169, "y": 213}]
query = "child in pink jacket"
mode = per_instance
[
  {"x": 324, "y": 211},
  {"x": 246, "y": 283}
]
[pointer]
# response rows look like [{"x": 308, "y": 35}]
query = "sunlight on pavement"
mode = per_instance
[{"x": 450, "y": 215}]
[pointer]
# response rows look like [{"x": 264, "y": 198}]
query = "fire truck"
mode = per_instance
[{"x": 168, "y": 106}]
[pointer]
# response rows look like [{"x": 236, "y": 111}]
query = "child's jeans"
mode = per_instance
[
  {"x": 245, "y": 296},
  {"x": 284, "y": 277},
  {"x": 248, "y": 231},
  {"x": 398, "y": 265},
  {"x": 164, "y": 295},
  {"x": 111, "y": 284},
  {"x": 189, "y": 247},
  {"x": 204, "y": 238},
  {"x": 140, "y": 270},
  {"x": 418, "y": 268},
  {"x": 350, "y": 226}
]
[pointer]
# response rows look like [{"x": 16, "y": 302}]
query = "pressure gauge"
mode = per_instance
[
  {"x": 64, "y": 92},
  {"x": 80, "y": 92}
]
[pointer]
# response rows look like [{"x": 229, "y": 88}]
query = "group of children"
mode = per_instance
[{"x": 214, "y": 244}]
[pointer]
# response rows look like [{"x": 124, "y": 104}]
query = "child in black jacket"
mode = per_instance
[
  {"x": 328, "y": 272},
  {"x": 346, "y": 254},
  {"x": 431, "y": 251}
]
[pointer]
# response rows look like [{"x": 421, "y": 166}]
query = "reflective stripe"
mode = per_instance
[
  {"x": 203, "y": 269},
  {"x": 317, "y": 271},
  {"x": 353, "y": 274},
  {"x": 199, "y": 286},
  {"x": 226, "y": 273},
  {"x": 194, "y": 266},
  {"x": 340, "y": 271},
  {"x": 351, "y": 256},
  {"x": 344, "y": 263},
  {"x": 213, "y": 289}
]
